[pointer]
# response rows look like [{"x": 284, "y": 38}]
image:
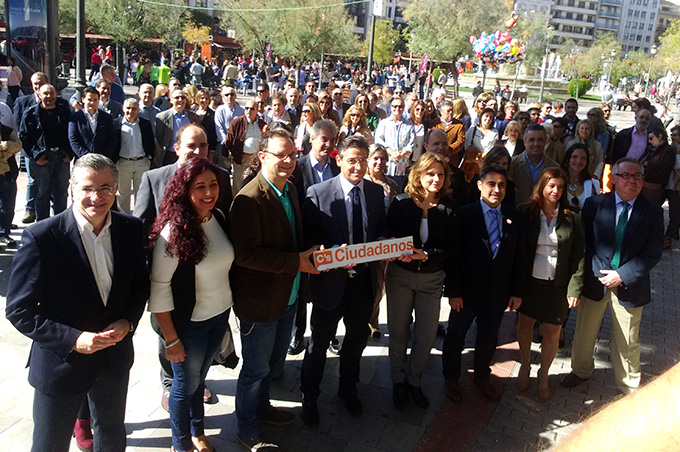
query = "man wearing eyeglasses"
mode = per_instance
[
  {"x": 168, "y": 123},
  {"x": 241, "y": 141},
  {"x": 624, "y": 241},
  {"x": 340, "y": 107},
  {"x": 225, "y": 113},
  {"x": 346, "y": 209},
  {"x": 78, "y": 288},
  {"x": 266, "y": 282}
]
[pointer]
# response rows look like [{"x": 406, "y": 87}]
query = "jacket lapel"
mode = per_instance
[
  {"x": 338, "y": 208},
  {"x": 279, "y": 211},
  {"x": 118, "y": 245},
  {"x": 480, "y": 225}
]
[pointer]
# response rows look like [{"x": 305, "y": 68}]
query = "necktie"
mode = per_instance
[
  {"x": 357, "y": 217},
  {"x": 618, "y": 238},
  {"x": 494, "y": 231}
]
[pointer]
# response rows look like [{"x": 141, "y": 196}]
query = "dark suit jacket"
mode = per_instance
[
  {"x": 236, "y": 135},
  {"x": 304, "y": 177},
  {"x": 148, "y": 142},
  {"x": 487, "y": 282},
  {"x": 570, "y": 249},
  {"x": 115, "y": 109},
  {"x": 33, "y": 138},
  {"x": 325, "y": 223},
  {"x": 152, "y": 191},
  {"x": 165, "y": 133},
  {"x": 520, "y": 174},
  {"x": 621, "y": 145},
  {"x": 266, "y": 248},
  {"x": 642, "y": 248},
  {"x": 52, "y": 298},
  {"x": 83, "y": 141}
]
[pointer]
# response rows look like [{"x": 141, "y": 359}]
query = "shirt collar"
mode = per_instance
[
  {"x": 276, "y": 190},
  {"x": 84, "y": 225},
  {"x": 347, "y": 186},
  {"x": 131, "y": 124},
  {"x": 486, "y": 207},
  {"x": 176, "y": 113},
  {"x": 619, "y": 200},
  {"x": 89, "y": 116},
  {"x": 313, "y": 160}
]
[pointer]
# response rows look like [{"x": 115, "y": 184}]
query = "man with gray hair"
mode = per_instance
[
  {"x": 167, "y": 125},
  {"x": 526, "y": 167},
  {"x": 134, "y": 151},
  {"x": 455, "y": 131},
  {"x": 241, "y": 142},
  {"x": 78, "y": 288}
]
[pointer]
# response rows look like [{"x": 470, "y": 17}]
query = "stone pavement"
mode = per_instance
[{"x": 515, "y": 423}]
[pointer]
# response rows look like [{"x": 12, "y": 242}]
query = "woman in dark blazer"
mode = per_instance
[
  {"x": 555, "y": 246},
  {"x": 427, "y": 213},
  {"x": 190, "y": 292},
  {"x": 658, "y": 162},
  {"x": 207, "y": 117}
]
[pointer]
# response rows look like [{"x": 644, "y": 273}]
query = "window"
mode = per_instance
[
  {"x": 579, "y": 17},
  {"x": 625, "y": 36},
  {"x": 522, "y": 7},
  {"x": 581, "y": 4},
  {"x": 647, "y": 38},
  {"x": 639, "y": 38},
  {"x": 649, "y": 28},
  {"x": 654, "y": 3},
  {"x": 569, "y": 16},
  {"x": 389, "y": 12},
  {"x": 570, "y": 2},
  {"x": 627, "y": 24},
  {"x": 578, "y": 29},
  {"x": 630, "y": 12},
  {"x": 636, "y": 14},
  {"x": 651, "y": 16},
  {"x": 568, "y": 28},
  {"x": 643, "y": 15}
]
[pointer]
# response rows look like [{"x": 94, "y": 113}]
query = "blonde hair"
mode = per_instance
[
  {"x": 415, "y": 187},
  {"x": 315, "y": 110},
  {"x": 459, "y": 108},
  {"x": 347, "y": 120}
]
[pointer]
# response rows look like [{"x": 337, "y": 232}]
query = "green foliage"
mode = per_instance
[
  {"x": 583, "y": 85},
  {"x": 535, "y": 35},
  {"x": 386, "y": 40}
]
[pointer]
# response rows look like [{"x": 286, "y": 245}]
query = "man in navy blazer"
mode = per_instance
[
  {"x": 78, "y": 288},
  {"x": 91, "y": 130},
  {"x": 316, "y": 167},
  {"x": 335, "y": 213},
  {"x": 489, "y": 280},
  {"x": 624, "y": 241}
]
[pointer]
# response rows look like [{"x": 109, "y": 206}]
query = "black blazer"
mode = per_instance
[
  {"x": 403, "y": 220},
  {"x": 52, "y": 298},
  {"x": 305, "y": 178},
  {"x": 83, "y": 141},
  {"x": 642, "y": 248},
  {"x": 487, "y": 282},
  {"x": 570, "y": 249},
  {"x": 621, "y": 145},
  {"x": 325, "y": 223},
  {"x": 208, "y": 124},
  {"x": 148, "y": 142}
]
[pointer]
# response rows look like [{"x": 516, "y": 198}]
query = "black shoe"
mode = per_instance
[
  {"x": 571, "y": 380},
  {"x": 441, "y": 330},
  {"x": 14, "y": 226},
  {"x": 400, "y": 395},
  {"x": 351, "y": 401},
  {"x": 418, "y": 396},
  {"x": 8, "y": 242},
  {"x": 296, "y": 346},
  {"x": 310, "y": 413},
  {"x": 334, "y": 347}
]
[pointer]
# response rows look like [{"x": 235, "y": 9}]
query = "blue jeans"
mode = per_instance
[
  {"x": 31, "y": 185},
  {"x": 8, "y": 194},
  {"x": 201, "y": 341},
  {"x": 263, "y": 346},
  {"x": 52, "y": 182}
]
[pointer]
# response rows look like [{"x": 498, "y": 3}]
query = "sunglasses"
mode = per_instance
[{"x": 306, "y": 111}]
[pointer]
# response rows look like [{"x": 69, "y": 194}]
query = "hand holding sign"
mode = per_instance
[
  {"x": 363, "y": 252},
  {"x": 306, "y": 265}
]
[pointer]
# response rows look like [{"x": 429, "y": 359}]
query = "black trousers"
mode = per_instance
[
  {"x": 300, "y": 325},
  {"x": 355, "y": 310},
  {"x": 488, "y": 322},
  {"x": 54, "y": 415}
]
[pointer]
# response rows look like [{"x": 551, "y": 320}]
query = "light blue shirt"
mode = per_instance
[
  {"x": 499, "y": 217},
  {"x": 534, "y": 170},
  {"x": 223, "y": 117},
  {"x": 320, "y": 174},
  {"x": 619, "y": 207},
  {"x": 178, "y": 120}
]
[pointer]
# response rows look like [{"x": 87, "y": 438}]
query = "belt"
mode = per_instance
[
  {"x": 133, "y": 159},
  {"x": 57, "y": 149}
]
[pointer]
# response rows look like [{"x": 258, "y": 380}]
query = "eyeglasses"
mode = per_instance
[
  {"x": 337, "y": 94},
  {"x": 354, "y": 115},
  {"x": 626, "y": 176},
  {"x": 291, "y": 157},
  {"x": 248, "y": 108},
  {"x": 261, "y": 91},
  {"x": 325, "y": 101},
  {"x": 398, "y": 107},
  {"x": 306, "y": 111},
  {"x": 230, "y": 94},
  {"x": 104, "y": 190},
  {"x": 355, "y": 162},
  {"x": 606, "y": 111}
]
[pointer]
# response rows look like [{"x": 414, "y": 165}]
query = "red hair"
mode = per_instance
[{"x": 186, "y": 239}]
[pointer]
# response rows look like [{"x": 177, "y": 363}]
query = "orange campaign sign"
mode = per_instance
[{"x": 342, "y": 256}]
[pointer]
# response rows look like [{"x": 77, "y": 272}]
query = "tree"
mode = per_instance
[
  {"x": 386, "y": 38},
  {"x": 590, "y": 62},
  {"x": 196, "y": 34},
  {"x": 443, "y": 28}
]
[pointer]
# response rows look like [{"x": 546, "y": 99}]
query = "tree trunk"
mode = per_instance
[
  {"x": 455, "y": 81},
  {"x": 518, "y": 66}
]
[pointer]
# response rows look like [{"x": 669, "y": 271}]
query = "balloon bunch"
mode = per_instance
[{"x": 499, "y": 47}]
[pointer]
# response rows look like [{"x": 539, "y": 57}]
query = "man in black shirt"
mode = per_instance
[{"x": 44, "y": 133}]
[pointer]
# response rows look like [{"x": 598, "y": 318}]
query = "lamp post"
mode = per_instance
[
  {"x": 611, "y": 63},
  {"x": 649, "y": 73},
  {"x": 543, "y": 66}
]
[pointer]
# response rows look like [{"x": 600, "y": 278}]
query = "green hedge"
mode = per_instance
[{"x": 583, "y": 86}]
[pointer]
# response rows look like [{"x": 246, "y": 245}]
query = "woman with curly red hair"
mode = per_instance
[{"x": 190, "y": 292}]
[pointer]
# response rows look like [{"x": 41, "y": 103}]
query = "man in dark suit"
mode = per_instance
[
  {"x": 134, "y": 150},
  {"x": 344, "y": 210},
  {"x": 631, "y": 142},
  {"x": 241, "y": 141},
  {"x": 21, "y": 105},
  {"x": 191, "y": 141},
  {"x": 266, "y": 281},
  {"x": 115, "y": 109},
  {"x": 78, "y": 288},
  {"x": 90, "y": 130},
  {"x": 624, "y": 241},
  {"x": 313, "y": 168},
  {"x": 490, "y": 279},
  {"x": 168, "y": 123}
]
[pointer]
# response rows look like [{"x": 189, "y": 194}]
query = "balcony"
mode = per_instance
[
  {"x": 572, "y": 35},
  {"x": 608, "y": 27},
  {"x": 611, "y": 15},
  {"x": 611, "y": 2},
  {"x": 573, "y": 22}
]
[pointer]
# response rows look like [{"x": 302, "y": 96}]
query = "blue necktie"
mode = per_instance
[
  {"x": 357, "y": 217},
  {"x": 494, "y": 231},
  {"x": 618, "y": 238}
]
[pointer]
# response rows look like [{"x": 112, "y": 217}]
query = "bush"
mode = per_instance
[{"x": 583, "y": 86}]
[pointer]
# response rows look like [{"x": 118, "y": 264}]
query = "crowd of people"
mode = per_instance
[{"x": 535, "y": 211}]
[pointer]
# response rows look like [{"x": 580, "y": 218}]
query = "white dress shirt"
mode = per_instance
[
  {"x": 99, "y": 252},
  {"x": 545, "y": 261},
  {"x": 92, "y": 119},
  {"x": 347, "y": 187},
  {"x": 131, "y": 140}
]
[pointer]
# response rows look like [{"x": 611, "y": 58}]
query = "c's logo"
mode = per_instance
[{"x": 323, "y": 257}]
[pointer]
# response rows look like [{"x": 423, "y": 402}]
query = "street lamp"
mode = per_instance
[
  {"x": 611, "y": 63},
  {"x": 649, "y": 73},
  {"x": 545, "y": 62}
]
